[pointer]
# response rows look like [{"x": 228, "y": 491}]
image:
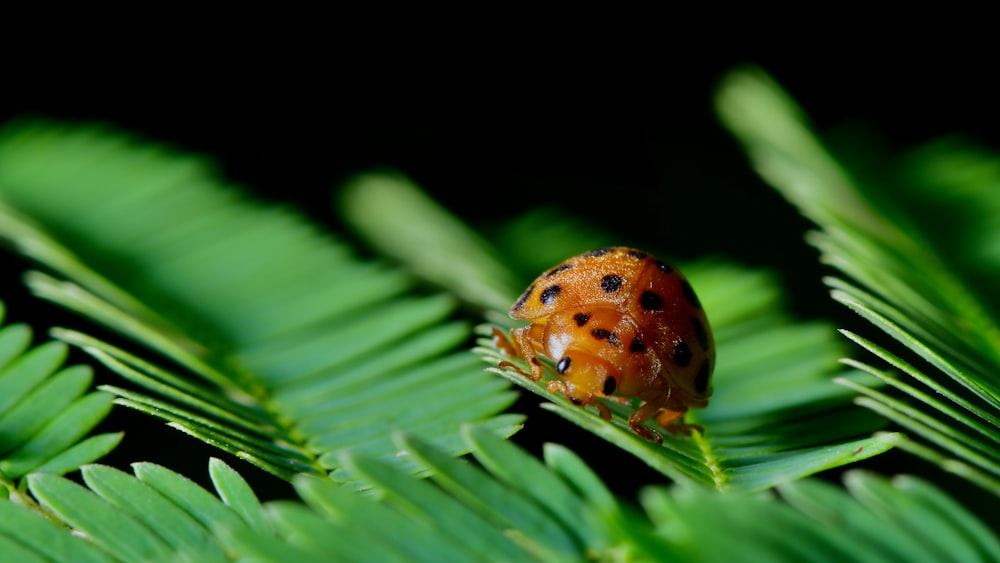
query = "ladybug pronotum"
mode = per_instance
[{"x": 617, "y": 320}]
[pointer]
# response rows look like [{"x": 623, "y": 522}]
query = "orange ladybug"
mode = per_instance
[{"x": 617, "y": 320}]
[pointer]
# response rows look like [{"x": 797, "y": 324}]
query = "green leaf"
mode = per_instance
[
  {"x": 359, "y": 518},
  {"x": 21, "y": 422},
  {"x": 970, "y": 534},
  {"x": 87, "y": 451},
  {"x": 36, "y": 536},
  {"x": 259, "y": 327},
  {"x": 533, "y": 480},
  {"x": 14, "y": 340},
  {"x": 18, "y": 553},
  {"x": 18, "y": 379},
  {"x": 110, "y": 529},
  {"x": 917, "y": 236},
  {"x": 828, "y": 506},
  {"x": 413, "y": 520},
  {"x": 384, "y": 206},
  {"x": 261, "y": 548},
  {"x": 505, "y": 508},
  {"x": 154, "y": 515},
  {"x": 204, "y": 507},
  {"x": 574, "y": 470},
  {"x": 144, "y": 504},
  {"x": 558, "y": 511},
  {"x": 66, "y": 429},
  {"x": 163, "y": 383},
  {"x": 469, "y": 516},
  {"x": 883, "y": 521},
  {"x": 316, "y": 539},
  {"x": 447, "y": 516},
  {"x": 757, "y": 529},
  {"x": 45, "y": 411},
  {"x": 237, "y": 494}
]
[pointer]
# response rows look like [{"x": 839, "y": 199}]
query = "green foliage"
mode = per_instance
[
  {"x": 155, "y": 515},
  {"x": 509, "y": 506},
  {"x": 273, "y": 341},
  {"x": 774, "y": 416},
  {"x": 917, "y": 236},
  {"x": 46, "y": 411},
  {"x": 410, "y": 227},
  {"x": 903, "y": 519}
]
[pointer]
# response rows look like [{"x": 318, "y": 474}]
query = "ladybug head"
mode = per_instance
[{"x": 584, "y": 377}]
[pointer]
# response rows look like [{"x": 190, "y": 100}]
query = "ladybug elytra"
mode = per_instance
[{"x": 617, "y": 321}]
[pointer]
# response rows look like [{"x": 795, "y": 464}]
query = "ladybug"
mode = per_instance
[{"x": 617, "y": 320}]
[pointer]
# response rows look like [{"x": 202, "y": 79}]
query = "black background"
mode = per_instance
[{"x": 493, "y": 147}]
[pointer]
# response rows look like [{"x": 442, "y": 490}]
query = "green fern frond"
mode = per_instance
[
  {"x": 876, "y": 519},
  {"x": 155, "y": 515},
  {"x": 46, "y": 411},
  {"x": 513, "y": 506},
  {"x": 775, "y": 416},
  {"x": 275, "y": 343},
  {"x": 509, "y": 505},
  {"x": 917, "y": 235},
  {"x": 396, "y": 221}
]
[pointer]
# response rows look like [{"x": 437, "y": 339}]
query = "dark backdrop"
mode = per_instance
[{"x": 489, "y": 151}]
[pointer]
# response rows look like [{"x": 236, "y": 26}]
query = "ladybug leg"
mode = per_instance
[
  {"x": 671, "y": 417},
  {"x": 635, "y": 423},
  {"x": 536, "y": 368},
  {"x": 644, "y": 413},
  {"x": 670, "y": 420},
  {"x": 666, "y": 417},
  {"x": 501, "y": 341},
  {"x": 521, "y": 345},
  {"x": 558, "y": 386}
]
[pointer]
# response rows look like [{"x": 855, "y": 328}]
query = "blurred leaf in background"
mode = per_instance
[
  {"x": 273, "y": 341},
  {"x": 914, "y": 237}
]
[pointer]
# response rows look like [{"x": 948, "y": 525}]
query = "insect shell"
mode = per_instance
[{"x": 618, "y": 321}]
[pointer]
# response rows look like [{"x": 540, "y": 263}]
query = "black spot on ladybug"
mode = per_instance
[
  {"x": 610, "y": 385},
  {"x": 558, "y": 269},
  {"x": 524, "y": 298},
  {"x": 689, "y": 293},
  {"x": 682, "y": 354},
  {"x": 700, "y": 333},
  {"x": 701, "y": 380},
  {"x": 650, "y": 301},
  {"x": 563, "y": 364},
  {"x": 664, "y": 267},
  {"x": 548, "y": 296},
  {"x": 611, "y": 283},
  {"x": 581, "y": 318},
  {"x": 576, "y": 401},
  {"x": 599, "y": 252},
  {"x": 613, "y": 340},
  {"x": 637, "y": 346},
  {"x": 636, "y": 254},
  {"x": 599, "y": 333}
]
